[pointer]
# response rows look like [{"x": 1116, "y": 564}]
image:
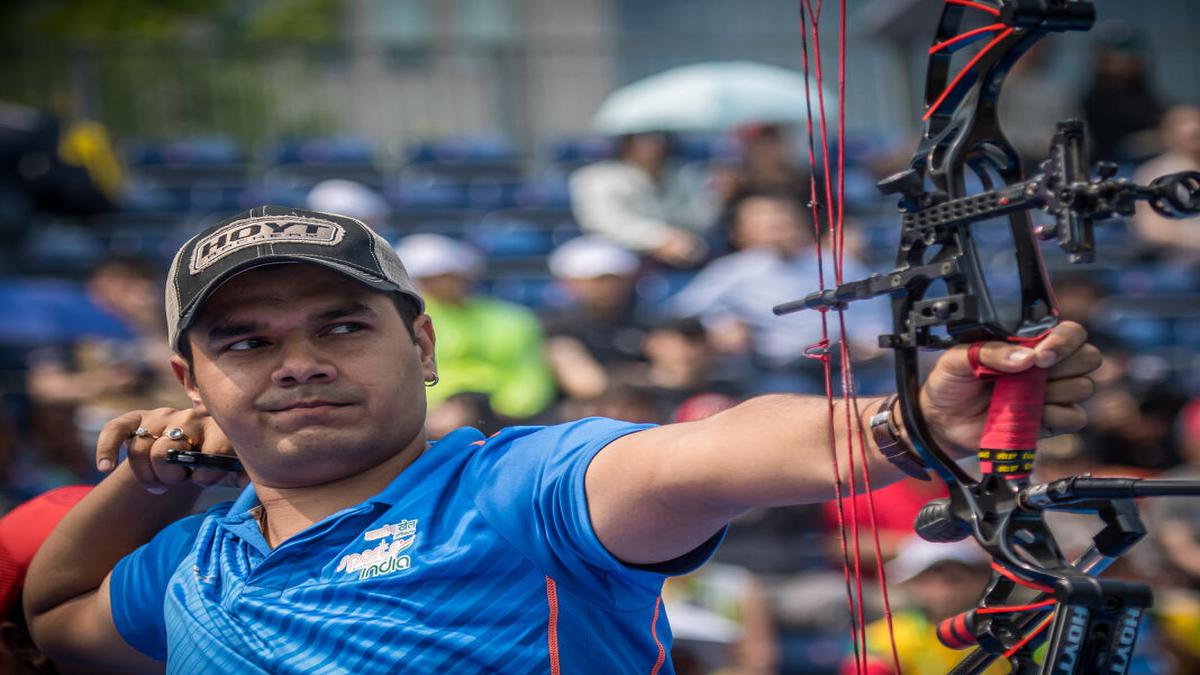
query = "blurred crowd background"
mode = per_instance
[{"x": 579, "y": 265}]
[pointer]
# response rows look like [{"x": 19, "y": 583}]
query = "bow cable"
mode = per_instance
[
  {"x": 835, "y": 219},
  {"x": 820, "y": 351}
]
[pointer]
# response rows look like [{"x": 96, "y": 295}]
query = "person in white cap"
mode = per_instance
[
  {"x": 939, "y": 581},
  {"x": 487, "y": 345},
  {"x": 349, "y": 198},
  {"x": 599, "y": 330}
]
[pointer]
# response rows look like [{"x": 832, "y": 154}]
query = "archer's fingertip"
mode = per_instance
[
  {"x": 156, "y": 490},
  {"x": 1046, "y": 358},
  {"x": 1018, "y": 356},
  {"x": 105, "y": 465}
]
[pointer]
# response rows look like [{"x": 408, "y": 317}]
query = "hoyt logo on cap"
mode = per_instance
[
  {"x": 268, "y": 235},
  {"x": 263, "y": 230}
]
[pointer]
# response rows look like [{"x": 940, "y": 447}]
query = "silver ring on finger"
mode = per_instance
[
  {"x": 143, "y": 432},
  {"x": 177, "y": 434}
]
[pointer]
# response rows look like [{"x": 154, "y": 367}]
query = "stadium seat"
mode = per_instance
[
  {"x": 568, "y": 153},
  {"x": 196, "y": 152},
  {"x": 465, "y": 159},
  {"x": 427, "y": 193},
  {"x": 304, "y": 162},
  {"x": 50, "y": 312}
]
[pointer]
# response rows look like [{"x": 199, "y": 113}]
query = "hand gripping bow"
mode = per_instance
[{"x": 941, "y": 297}]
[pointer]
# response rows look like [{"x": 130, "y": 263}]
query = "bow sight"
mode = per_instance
[{"x": 1094, "y": 622}]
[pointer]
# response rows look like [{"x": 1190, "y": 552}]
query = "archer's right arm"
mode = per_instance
[{"x": 66, "y": 596}]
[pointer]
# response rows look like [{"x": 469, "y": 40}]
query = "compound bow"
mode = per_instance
[{"x": 941, "y": 297}]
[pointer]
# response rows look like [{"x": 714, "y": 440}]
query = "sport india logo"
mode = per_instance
[{"x": 385, "y": 558}]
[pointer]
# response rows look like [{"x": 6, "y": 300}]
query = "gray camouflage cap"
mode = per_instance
[{"x": 275, "y": 234}]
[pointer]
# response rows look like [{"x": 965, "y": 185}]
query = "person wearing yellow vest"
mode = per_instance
[{"x": 484, "y": 345}]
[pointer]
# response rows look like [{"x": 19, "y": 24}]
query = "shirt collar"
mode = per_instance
[{"x": 453, "y": 443}]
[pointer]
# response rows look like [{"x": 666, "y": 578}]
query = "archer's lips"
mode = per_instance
[{"x": 312, "y": 406}]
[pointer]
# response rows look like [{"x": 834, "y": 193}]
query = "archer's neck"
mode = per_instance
[{"x": 292, "y": 510}]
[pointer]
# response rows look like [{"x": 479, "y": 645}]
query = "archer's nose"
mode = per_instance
[{"x": 301, "y": 362}]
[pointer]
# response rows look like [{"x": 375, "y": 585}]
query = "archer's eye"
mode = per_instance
[
  {"x": 344, "y": 328},
  {"x": 244, "y": 345}
]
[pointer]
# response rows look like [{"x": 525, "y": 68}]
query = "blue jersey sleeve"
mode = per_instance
[
  {"x": 528, "y": 482},
  {"x": 138, "y": 586}
]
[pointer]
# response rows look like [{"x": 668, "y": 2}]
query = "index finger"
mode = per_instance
[
  {"x": 112, "y": 435},
  {"x": 1059, "y": 343}
]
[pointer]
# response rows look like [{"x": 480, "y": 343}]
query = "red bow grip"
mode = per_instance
[{"x": 1014, "y": 417}]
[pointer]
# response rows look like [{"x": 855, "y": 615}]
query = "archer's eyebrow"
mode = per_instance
[
  {"x": 349, "y": 309},
  {"x": 223, "y": 330}
]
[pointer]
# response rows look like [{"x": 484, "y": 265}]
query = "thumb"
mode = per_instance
[{"x": 1001, "y": 356}]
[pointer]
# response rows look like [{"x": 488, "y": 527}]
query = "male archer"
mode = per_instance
[{"x": 358, "y": 546}]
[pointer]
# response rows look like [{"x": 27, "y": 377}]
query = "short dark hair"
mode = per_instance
[
  {"x": 791, "y": 198},
  {"x": 405, "y": 306},
  {"x": 128, "y": 265},
  {"x": 688, "y": 327}
]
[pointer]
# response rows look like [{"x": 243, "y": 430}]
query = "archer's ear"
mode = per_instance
[
  {"x": 425, "y": 339},
  {"x": 183, "y": 373}
]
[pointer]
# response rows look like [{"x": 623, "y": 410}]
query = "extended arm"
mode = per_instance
[{"x": 657, "y": 494}]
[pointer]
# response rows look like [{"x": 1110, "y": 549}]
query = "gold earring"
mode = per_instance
[{"x": 433, "y": 382}]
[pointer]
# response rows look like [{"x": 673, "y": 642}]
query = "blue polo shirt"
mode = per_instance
[{"x": 480, "y": 556}]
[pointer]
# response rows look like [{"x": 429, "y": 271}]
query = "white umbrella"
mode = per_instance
[{"x": 713, "y": 96}]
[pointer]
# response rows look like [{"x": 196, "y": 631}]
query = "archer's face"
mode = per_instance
[
  {"x": 767, "y": 222},
  {"x": 311, "y": 375}
]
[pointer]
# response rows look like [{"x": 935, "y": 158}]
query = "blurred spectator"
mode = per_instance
[
  {"x": 680, "y": 364},
  {"x": 349, "y": 198},
  {"x": 484, "y": 345},
  {"x": 1176, "y": 520},
  {"x": 637, "y": 201},
  {"x": 22, "y": 532},
  {"x": 1032, "y": 104},
  {"x": 86, "y": 384},
  {"x": 618, "y": 402},
  {"x": 939, "y": 581},
  {"x": 598, "y": 331},
  {"x": 64, "y": 165},
  {"x": 51, "y": 165},
  {"x": 1120, "y": 106},
  {"x": 776, "y": 263},
  {"x": 896, "y": 507},
  {"x": 702, "y": 405},
  {"x": 1078, "y": 296},
  {"x": 464, "y": 409},
  {"x": 767, "y": 165},
  {"x": 721, "y": 622},
  {"x": 1132, "y": 411},
  {"x": 1176, "y": 241}
]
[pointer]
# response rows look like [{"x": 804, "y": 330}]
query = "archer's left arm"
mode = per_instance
[{"x": 657, "y": 494}]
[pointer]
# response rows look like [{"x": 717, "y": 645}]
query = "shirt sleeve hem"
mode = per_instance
[
  {"x": 126, "y": 624},
  {"x": 681, "y": 565}
]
